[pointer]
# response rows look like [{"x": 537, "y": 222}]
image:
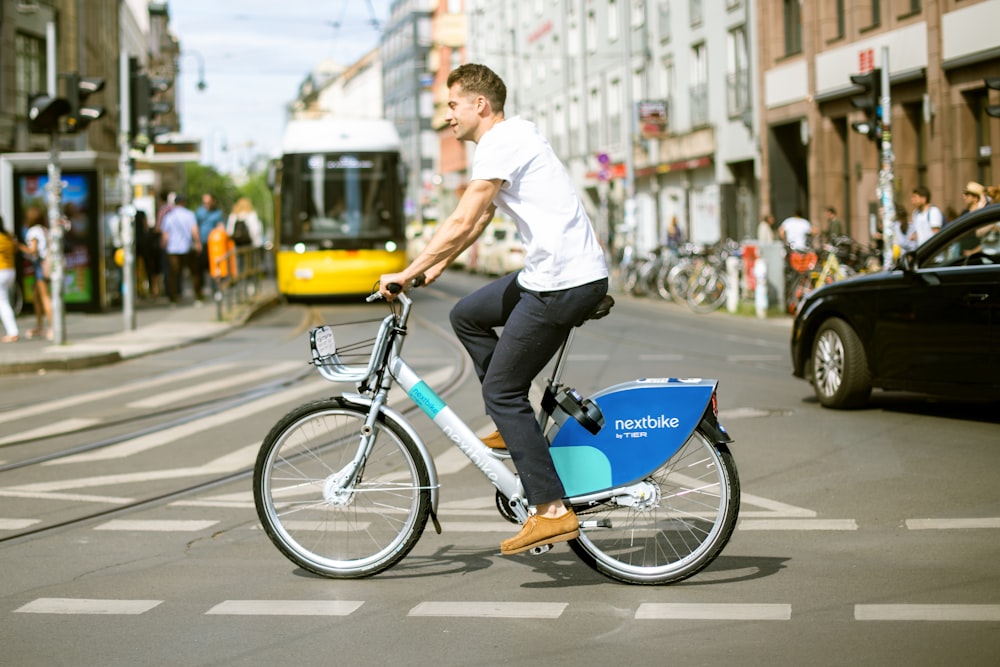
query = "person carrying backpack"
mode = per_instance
[{"x": 243, "y": 226}]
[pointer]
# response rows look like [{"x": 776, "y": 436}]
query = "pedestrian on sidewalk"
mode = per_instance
[
  {"x": 182, "y": 243},
  {"x": 36, "y": 247},
  {"x": 8, "y": 274}
]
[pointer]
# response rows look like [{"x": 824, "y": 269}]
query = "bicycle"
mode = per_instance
[
  {"x": 344, "y": 487},
  {"x": 831, "y": 271},
  {"x": 700, "y": 278}
]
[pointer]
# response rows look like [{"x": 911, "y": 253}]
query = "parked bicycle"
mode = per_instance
[
  {"x": 345, "y": 486},
  {"x": 699, "y": 278}
]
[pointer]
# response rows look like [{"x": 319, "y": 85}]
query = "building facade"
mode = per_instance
[
  {"x": 648, "y": 103},
  {"x": 939, "y": 52}
]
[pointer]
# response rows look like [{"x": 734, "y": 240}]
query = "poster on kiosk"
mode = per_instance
[{"x": 81, "y": 287}]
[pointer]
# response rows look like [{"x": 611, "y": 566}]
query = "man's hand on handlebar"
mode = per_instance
[{"x": 391, "y": 284}]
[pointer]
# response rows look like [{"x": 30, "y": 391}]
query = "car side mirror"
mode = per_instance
[{"x": 908, "y": 262}]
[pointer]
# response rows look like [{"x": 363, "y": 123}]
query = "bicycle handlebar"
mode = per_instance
[{"x": 396, "y": 288}]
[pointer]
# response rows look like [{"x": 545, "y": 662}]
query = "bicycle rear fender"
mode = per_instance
[
  {"x": 364, "y": 403},
  {"x": 645, "y": 423}
]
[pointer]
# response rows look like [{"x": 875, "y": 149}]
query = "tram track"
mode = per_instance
[{"x": 448, "y": 386}]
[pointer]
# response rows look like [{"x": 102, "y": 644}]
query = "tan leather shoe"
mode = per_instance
[
  {"x": 495, "y": 441},
  {"x": 538, "y": 531}
]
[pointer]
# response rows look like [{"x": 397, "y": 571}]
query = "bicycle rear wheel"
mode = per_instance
[
  {"x": 323, "y": 516},
  {"x": 683, "y": 521}
]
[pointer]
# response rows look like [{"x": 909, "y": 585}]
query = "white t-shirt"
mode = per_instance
[
  {"x": 797, "y": 231},
  {"x": 927, "y": 223},
  {"x": 40, "y": 234},
  {"x": 561, "y": 248}
]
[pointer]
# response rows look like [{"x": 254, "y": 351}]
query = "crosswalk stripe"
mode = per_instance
[
  {"x": 489, "y": 609},
  {"x": 927, "y": 612},
  {"x": 54, "y": 406},
  {"x": 17, "y": 524},
  {"x": 695, "y": 611},
  {"x": 285, "y": 608},
  {"x": 798, "y": 524},
  {"x": 87, "y": 606},
  {"x": 952, "y": 524},
  {"x": 156, "y": 525},
  {"x": 213, "y": 387},
  {"x": 54, "y": 428}
]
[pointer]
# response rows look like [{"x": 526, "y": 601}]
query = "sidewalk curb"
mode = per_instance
[{"x": 67, "y": 360}]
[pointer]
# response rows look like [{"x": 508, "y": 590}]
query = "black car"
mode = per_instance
[{"x": 930, "y": 325}]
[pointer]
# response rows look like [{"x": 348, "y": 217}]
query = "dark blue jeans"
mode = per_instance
[{"x": 534, "y": 326}]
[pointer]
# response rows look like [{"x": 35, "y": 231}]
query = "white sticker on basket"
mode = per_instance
[{"x": 324, "y": 343}]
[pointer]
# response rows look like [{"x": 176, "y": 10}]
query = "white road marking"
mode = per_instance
[
  {"x": 156, "y": 525},
  {"x": 798, "y": 524},
  {"x": 952, "y": 524},
  {"x": 285, "y": 608},
  {"x": 695, "y": 611},
  {"x": 54, "y": 428},
  {"x": 927, "y": 612},
  {"x": 225, "y": 381},
  {"x": 231, "y": 462},
  {"x": 87, "y": 606},
  {"x": 489, "y": 609},
  {"x": 53, "y": 407},
  {"x": 17, "y": 524}
]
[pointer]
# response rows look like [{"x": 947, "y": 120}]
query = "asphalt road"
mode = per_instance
[{"x": 866, "y": 537}]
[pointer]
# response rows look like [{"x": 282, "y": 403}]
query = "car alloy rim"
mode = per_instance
[{"x": 829, "y": 362}]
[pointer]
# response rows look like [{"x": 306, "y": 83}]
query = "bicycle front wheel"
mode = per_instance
[
  {"x": 679, "y": 524},
  {"x": 707, "y": 290},
  {"x": 324, "y": 514}
]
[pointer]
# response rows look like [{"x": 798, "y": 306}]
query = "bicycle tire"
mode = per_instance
[
  {"x": 340, "y": 533},
  {"x": 678, "y": 280},
  {"x": 679, "y": 531},
  {"x": 707, "y": 291}
]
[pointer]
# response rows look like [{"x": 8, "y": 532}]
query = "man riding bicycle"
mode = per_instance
[{"x": 564, "y": 278}]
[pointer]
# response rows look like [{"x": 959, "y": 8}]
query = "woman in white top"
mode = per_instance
[{"x": 36, "y": 239}]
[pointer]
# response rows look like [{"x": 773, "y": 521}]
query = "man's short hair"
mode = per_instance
[
  {"x": 480, "y": 80},
  {"x": 922, "y": 191}
]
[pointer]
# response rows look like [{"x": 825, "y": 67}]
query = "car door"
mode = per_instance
[{"x": 939, "y": 324}]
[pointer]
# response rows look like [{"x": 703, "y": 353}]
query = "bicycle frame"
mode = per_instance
[{"x": 596, "y": 464}]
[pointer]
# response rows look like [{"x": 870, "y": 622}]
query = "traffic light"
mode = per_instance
[
  {"x": 78, "y": 89},
  {"x": 44, "y": 113},
  {"x": 145, "y": 106},
  {"x": 870, "y": 101},
  {"x": 992, "y": 109}
]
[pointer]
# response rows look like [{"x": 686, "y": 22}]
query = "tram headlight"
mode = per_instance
[
  {"x": 390, "y": 246},
  {"x": 300, "y": 248}
]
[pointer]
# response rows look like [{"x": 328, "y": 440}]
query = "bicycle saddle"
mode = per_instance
[{"x": 602, "y": 309}]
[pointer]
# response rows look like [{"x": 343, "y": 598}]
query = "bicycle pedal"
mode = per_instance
[{"x": 540, "y": 549}]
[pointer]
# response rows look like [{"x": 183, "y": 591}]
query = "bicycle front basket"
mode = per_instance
[{"x": 342, "y": 363}]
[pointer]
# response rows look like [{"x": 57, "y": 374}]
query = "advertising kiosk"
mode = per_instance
[{"x": 89, "y": 203}]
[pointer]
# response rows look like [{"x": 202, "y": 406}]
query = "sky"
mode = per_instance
[{"x": 255, "y": 54}]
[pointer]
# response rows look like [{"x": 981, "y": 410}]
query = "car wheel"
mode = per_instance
[{"x": 840, "y": 375}]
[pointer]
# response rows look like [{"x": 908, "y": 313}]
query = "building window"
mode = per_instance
[
  {"x": 591, "y": 37},
  {"x": 593, "y": 119},
  {"x": 613, "y": 20},
  {"x": 841, "y": 25},
  {"x": 696, "y": 12},
  {"x": 699, "y": 85},
  {"x": 615, "y": 112},
  {"x": 30, "y": 67},
  {"x": 663, "y": 20},
  {"x": 979, "y": 101},
  {"x": 667, "y": 81},
  {"x": 738, "y": 74},
  {"x": 876, "y": 13},
  {"x": 793, "y": 27}
]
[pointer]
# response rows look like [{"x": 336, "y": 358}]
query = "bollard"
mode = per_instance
[
  {"x": 760, "y": 291},
  {"x": 733, "y": 290}
]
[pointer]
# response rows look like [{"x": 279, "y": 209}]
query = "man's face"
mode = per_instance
[
  {"x": 208, "y": 201},
  {"x": 917, "y": 200},
  {"x": 463, "y": 112}
]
